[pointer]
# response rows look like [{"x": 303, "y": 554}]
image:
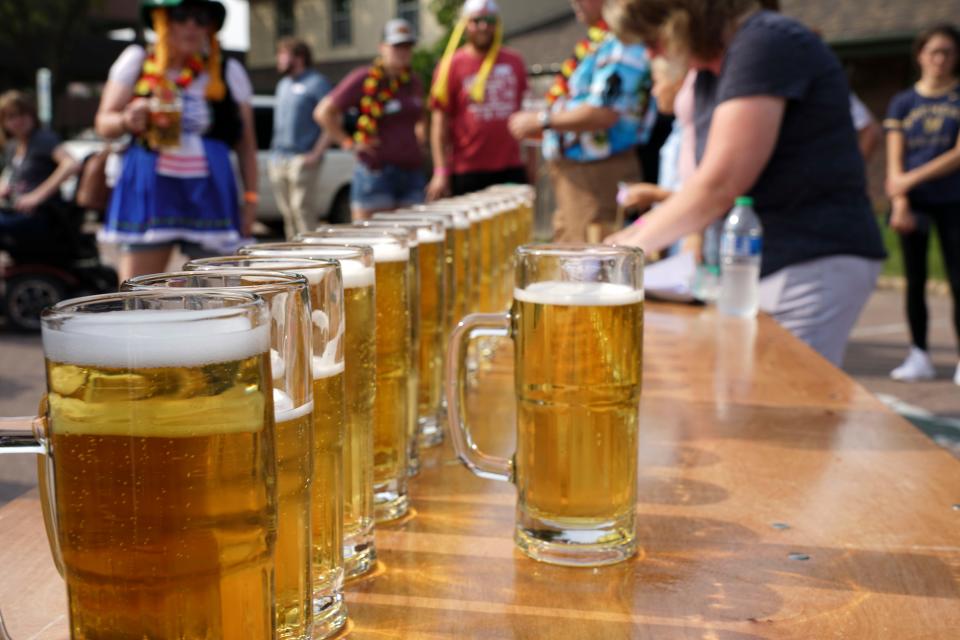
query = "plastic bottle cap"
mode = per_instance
[{"x": 744, "y": 201}]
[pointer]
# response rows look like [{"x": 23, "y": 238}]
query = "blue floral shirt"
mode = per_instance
[{"x": 616, "y": 76}]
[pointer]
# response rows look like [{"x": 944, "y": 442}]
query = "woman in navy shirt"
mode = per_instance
[{"x": 923, "y": 182}]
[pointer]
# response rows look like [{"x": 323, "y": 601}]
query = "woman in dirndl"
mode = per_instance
[{"x": 185, "y": 109}]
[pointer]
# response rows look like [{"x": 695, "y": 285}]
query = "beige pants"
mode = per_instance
[
  {"x": 294, "y": 187},
  {"x": 586, "y": 194}
]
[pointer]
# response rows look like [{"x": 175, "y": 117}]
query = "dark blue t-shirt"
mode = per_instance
[
  {"x": 930, "y": 127},
  {"x": 811, "y": 197}
]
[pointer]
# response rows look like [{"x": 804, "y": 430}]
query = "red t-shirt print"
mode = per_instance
[{"x": 479, "y": 135}]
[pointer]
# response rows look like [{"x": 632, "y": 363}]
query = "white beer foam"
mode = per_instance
[
  {"x": 383, "y": 249},
  {"x": 155, "y": 338},
  {"x": 356, "y": 275},
  {"x": 323, "y": 367},
  {"x": 284, "y": 410},
  {"x": 429, "y": 236},
  {"x": 579, "y": 294}
]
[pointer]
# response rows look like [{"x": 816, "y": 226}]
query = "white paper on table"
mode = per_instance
[{"x": 670, "y": 279}]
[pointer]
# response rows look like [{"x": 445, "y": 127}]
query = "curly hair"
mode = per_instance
[{"x": 684, "y": 27}]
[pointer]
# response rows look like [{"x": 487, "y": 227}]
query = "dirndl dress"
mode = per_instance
[{"x": 180, "y": 202}]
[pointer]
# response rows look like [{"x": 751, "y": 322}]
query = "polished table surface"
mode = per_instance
[{"x": 777, "y": 499}]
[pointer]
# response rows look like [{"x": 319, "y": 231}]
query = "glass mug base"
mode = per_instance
[
  {"x": 329, "y": 616},
  {"x": 413, "y": 465},
  {"x": 576, "y": 547},
  {"x": 430, "y": 431},
  {"x": 390, "y": 500},
  {"x": 359, "y": 557}
]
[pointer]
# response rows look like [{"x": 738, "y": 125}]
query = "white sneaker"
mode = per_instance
[{"x": 917, "y": 366}]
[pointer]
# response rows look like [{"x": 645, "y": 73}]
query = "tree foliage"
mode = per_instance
[
  {"x": 426, "y": 56},
  {"x": 39, "y": 33}
]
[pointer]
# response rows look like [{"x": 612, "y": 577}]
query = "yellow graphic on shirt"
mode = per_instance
[{"x": 932, "y": 124}]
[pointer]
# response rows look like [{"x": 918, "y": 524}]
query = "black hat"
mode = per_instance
[{"x": 217, "y": 11}]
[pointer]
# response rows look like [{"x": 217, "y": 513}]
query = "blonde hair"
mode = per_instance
[
  {"x": 216, "y": 89},
  {"x": 686, "y": 28}
]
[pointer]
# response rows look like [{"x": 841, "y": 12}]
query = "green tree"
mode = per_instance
[
  {"x": 39, "y": 33},
  {"x": 426, "y": 57}
]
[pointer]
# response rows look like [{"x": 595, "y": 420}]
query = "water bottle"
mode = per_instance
[{"x": 740, "y": 246}]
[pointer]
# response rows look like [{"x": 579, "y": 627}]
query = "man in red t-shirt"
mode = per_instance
[{"x": 471, "y": 144}]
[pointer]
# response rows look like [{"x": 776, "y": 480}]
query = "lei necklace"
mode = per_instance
[
  {"x": 585, "y": 47},
  {"x": 377, "y": 92},
  {"x": 153, "y": 80}
]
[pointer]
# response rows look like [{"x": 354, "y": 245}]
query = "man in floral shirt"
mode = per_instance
[{"x": 598, "y": 111}]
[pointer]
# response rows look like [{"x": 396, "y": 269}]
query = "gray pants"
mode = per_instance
[{"x": 819, "y": 301}]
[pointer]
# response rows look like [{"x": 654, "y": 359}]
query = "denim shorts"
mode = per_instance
[{"x": 388, "y": 187}]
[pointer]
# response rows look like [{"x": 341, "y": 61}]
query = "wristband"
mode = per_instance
[
  {"x": 442, "y": 171},
  {"x": 251, "y": 197}
]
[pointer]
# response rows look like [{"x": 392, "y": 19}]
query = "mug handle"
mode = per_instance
[
  {"x": 21, "y": 435},
  {"x": 473, "y": 326}
]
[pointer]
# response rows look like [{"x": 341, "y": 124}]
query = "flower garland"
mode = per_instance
[
  {"x": 376, "y": 94},
  {"x": 585, "y": 47},
  {"x": 153, "y": 80}
]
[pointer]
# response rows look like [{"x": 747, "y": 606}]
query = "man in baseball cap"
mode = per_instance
[
  {"x": 389, "y": 100},
  {"x": 399, "y": 31}
]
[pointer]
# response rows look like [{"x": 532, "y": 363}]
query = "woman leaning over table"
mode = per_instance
[
  {"x": 781, "y": 132},
  {"x": 182, "y": 192},
  {"x": 923, "y": 182}
]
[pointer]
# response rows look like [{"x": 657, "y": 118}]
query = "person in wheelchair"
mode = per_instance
[{"x": 35, "y": 164}]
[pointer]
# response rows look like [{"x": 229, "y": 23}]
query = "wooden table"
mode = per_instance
[{"x": 778, "y": 499}]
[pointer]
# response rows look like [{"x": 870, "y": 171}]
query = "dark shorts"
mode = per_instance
[
  {"x": 461, "y": 183},
  {"x": 388, "y": 187}
]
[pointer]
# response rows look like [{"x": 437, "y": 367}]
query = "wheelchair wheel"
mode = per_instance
[{"x": 29, "y": 294}]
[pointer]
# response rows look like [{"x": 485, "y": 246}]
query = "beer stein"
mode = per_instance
[
  {"x": 164, "y": 121},
  {"x": 307, "y": 344},
  {"x": 158, "y": 433},
  {"x": 577, "y": 327},
  {"x": 394, "y": 414},
  {"x": 431, "y": 240},
  {"x": 294, "y": 406},
  {"x": 356, "y": 266}
]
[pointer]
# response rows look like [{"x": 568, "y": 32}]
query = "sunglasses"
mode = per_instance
[
  {"x": 488, "y": 20},
  {"x": 182, "y": 13}
]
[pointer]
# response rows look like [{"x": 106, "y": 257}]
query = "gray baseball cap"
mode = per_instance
[{"x": 399, "y": 31}]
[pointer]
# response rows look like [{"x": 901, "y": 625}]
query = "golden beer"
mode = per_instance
[
  {"x": 475, "y": 251},
  {"x": 430, "y": 267},
  {"x": 356, "y": 265},
  {"x": 393, "y": 359},
  {"x": 295, "y": 464},
  {"x": 577, "y": 327},
  {"x": 290, "y": 358},
  {"x": 327, "y": 513},
  {"x": 578, "y": 349},
  {"x": 164, "y": 123},
  {"x": 164, "y": 473}
]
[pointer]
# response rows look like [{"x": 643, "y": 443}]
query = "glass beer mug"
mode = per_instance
[
  {"x": 577, "y": 328},
  {"x": 159, "y": 440}
]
